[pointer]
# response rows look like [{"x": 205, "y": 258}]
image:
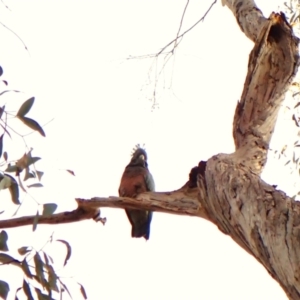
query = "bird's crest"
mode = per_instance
[{"x": 138, "y": 150}]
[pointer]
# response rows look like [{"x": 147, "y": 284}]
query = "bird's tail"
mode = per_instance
[{"x": 141, "y": 230}]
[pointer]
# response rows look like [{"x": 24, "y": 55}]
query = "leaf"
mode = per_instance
[
  {"x": 82, "y": 290},
  {"x": 8, "y": 91},
  {"x": 35, "y": 221},
  {"x": 42, "y": 296},
  {"x": 28, "y": 174},
  {"x": 23, "y": 250},
  {"x": 25, "y": 268},
  {"x": 71, "y": 172},
  {"x": 4, "y": 289},
  {"x": 39, "y": 174},
  {"x": 3, "y": 241},
  {"x": 27, "y": 290},
  {"x": 17, "y": 291},
  {"x": 33, "y": 125},
  {"x": 5, "y": 181},
  {"x": 25, "y": 107},
  {"x": 69, "y": 250},
  {"x": 7, "y": 259},
  {"x": 26, "y": 160},
  {"x": 14, "y": 190},
  {"x": 65, "y": 288},
  {"x": 295, "y": 120},
  {"x": 36, "y": 185},
  {"x": 39, "y": 269},
  {"x": 1, "y": 144},
  {"x": 5, "y": 155},
  {"x": 11, "y": 168},
  {"x": 52, "y": 278},
  {"x": 2, "y": 109},
  {"x": 49, "y": 209},
  {"x": 293, "y": 17},
  {"x": 283, "y": 149}
]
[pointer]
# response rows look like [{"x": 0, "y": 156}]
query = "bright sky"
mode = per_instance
[{"x": 78, "y": 72}]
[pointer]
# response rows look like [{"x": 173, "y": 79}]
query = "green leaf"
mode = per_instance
[
  {"x": 49, "y": 209},
  {"x": 23, "y": 250},
  {"x": 25, "y": 268},
  {"x": 4, "y": 289},
  {"x": 36, "y": 185},
  {"x": 27, "y": 290},
  {"x": 69, "y": 250},
  {"x": 35, "y": 221},
  {"x": 82, "y": 290},
  {"x": 3, "y": 241},
  {"x": 25, "y": 107},
  {"x": 33, "y": 125}
]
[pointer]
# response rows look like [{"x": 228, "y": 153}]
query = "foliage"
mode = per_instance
[{"x": 40, "y": 278}]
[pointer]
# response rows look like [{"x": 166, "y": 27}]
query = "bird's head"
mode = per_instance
[{"x": 139, "y": 156}]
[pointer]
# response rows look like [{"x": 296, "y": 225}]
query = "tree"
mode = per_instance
[{"x": 227, "y": 189}]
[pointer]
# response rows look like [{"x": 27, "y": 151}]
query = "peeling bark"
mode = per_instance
[{"x": 228, "y": 190}]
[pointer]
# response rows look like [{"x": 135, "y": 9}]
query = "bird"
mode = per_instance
[{"x": 135, "y": 180}]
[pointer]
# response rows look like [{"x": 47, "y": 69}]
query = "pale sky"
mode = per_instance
[{"x": 78, "y": 72}]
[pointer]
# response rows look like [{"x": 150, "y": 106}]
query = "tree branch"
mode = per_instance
[
  {"x": 249, "y": 17},
  {"x": 76, "y": 215},
  {"x": 273, "y": 63}
]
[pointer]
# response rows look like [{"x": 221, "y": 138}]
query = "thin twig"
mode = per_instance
[
  {"x": 181, "y": 21},
  {"x": 5, "y": 5},
  {"x": 16, "y": 36},
  {"x": 177, "y": 37},
  {"x": 180, "y": 36}
]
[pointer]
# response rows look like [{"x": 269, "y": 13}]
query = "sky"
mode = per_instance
[{"x": 97, "y": 104}]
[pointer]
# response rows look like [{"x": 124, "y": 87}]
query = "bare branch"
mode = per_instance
[
  {"x": 180, "y": 202},
  {"x": 185, "y": 32},
  {"x": 16, "y": 36},
  {"x": 180, "y": 25},
  {"x": 76, "y": 215}
]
